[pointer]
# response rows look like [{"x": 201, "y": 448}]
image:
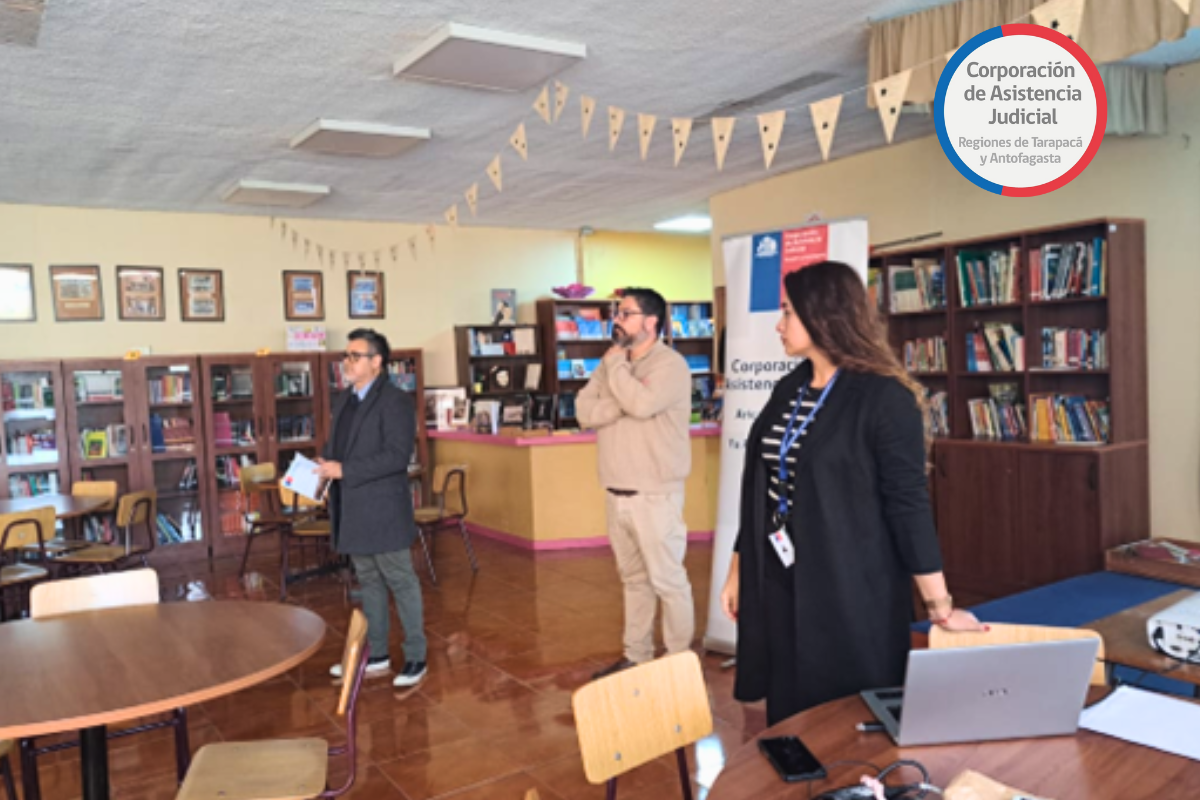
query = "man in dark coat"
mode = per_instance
[{"x": 367, "y": 457}]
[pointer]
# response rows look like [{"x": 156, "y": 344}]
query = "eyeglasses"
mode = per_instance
[
  {"x": 350, "y": 355},
  {"x": 624, "y": 313}
]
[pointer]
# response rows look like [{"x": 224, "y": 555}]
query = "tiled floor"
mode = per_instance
[{"x": 508, "y": 645}]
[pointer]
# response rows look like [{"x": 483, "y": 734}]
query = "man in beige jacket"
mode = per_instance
[{"x": 639, "y": 403}]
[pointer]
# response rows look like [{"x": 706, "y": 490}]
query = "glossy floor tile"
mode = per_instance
[{"x": 507, "y": 648}]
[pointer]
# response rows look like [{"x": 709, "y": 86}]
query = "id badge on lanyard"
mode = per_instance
[{"x": 779, "y": 535}]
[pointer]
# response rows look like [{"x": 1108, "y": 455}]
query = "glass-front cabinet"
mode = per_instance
[{"x": 33, "y": 451}]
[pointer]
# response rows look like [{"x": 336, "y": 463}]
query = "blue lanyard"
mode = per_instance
[{"x": 790, "y": 435}]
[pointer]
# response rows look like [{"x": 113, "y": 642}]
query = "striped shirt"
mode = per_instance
[{"x": 771, "y": 440}]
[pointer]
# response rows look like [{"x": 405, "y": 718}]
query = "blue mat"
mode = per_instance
[{"x": 1078, "y": 601}]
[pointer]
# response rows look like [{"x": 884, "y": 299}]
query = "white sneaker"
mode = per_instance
[
  {"x": 414, "y": 673},
  {"x": 374, "y": 666}
]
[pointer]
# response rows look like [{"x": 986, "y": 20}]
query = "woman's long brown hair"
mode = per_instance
[{"x": 832, "y": 304}]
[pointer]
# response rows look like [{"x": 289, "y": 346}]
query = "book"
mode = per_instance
[{"x": 301, "y": 477}]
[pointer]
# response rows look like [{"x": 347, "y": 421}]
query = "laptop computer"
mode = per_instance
[{"x": 976, "y": 694}]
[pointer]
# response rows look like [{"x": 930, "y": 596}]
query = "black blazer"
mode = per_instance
[
  {"x": 373, "y": 511},
  {"x": 862, "y": 526}
]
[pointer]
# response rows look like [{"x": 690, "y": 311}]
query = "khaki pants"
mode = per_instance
[{"x": 649, "y": 539}]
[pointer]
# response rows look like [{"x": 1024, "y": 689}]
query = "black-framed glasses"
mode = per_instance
[
  {"x": 350, "y": 355},
  {"x": 625, "y": 313}
]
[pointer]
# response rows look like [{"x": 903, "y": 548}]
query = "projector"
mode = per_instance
[{"x": 1175, "y": 631}]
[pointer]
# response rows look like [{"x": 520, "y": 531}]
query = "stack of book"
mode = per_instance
[
  {"x": 989, "y": 278},
  {"x": 996, "y": 347},
  {"x": 919, "y": 287},
  {"x": 173, "y": 388},
  {"x": 925, "y": 355},
  {"x": 1074, "y": 348},
  {"x": 1069, "y": 419},
  {"x": 999, "y": 417},
  {"x": 1059, "y": 271}
]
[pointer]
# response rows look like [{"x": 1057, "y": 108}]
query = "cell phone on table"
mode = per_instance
[{"x": 792, "y": 760}]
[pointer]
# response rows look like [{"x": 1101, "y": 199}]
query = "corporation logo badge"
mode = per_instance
[
  {"x": 1020, "y": 110},
  {"x": 768, "y": 247}
]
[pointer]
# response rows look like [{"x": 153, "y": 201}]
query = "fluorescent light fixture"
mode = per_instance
[
  {"x": 358, "y": 138},
  {"x": 486, "y": 59},
  {"x": 693, "y": 223},
  {"x": 268, "y": 193}
]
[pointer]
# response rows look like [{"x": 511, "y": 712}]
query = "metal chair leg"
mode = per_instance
[
  {"x": 29, "y": 770},
  {"x": 428, "y": 558},
  {"x": 684, "y": 779},
  {"x": 250, "y": 537},
  {"x": 183, "y": 749},
  {"x": 10, "y": 788},
  {"x": 611, "y": 789},
  {"x": 466, "y": 537},
  {"x": 284, "y": 547}
]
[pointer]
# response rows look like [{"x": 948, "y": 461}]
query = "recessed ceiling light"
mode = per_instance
[
  {"x": 487, "y": 59},
  {"x": 268, "y": 193},
  {"x": 358, "y": 138},
  {"x": 693, "y": 223}
]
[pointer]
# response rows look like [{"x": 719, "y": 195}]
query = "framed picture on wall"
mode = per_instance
[
  {"x": 365, "y": 290},
  {"x": 201, "y": 295},
  {"x": 303, "y": 295},
  {"x": 77, "y": 293},
  {"x": 16, "y": 293},
  {"x": 140, "y": 293}
]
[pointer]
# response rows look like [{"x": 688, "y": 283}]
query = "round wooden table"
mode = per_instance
[
  {"x": 88, "y": 670},
  {"x": 1086, "y": 766},
  {"x": 65, "y": 505}
]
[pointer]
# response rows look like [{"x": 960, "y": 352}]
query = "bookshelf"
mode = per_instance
[
  {"x": 577, "y": 333},
  {"x": 1042, "y": 461},
  {"x": 406, "y": 371},
  {"x": 34, "y": 457},
  {"x": 495, "y": 361}
]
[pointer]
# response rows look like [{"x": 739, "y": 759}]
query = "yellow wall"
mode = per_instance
[
  {"x": 425, "y": 299},
  {"x": 664, "y": 262},
  {"x": 911, "y": 189}
]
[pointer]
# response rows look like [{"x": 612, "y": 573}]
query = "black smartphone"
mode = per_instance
[{"x": 792, "y": 760}]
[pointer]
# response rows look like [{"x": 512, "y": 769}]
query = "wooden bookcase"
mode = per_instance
[
  {"x": 481, "y": 374},
  {"x": 556, "y": 348},
  {"x": 1017, "y": 514},
  {"x": 34, "y": 453}
]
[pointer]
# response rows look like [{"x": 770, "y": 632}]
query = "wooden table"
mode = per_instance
[
  {"x": 1126, "y": 643},
  {"x": 1086, "y": 766},
  {"x": 65, "y": 505},
  {"x": 86, "y": 671}
]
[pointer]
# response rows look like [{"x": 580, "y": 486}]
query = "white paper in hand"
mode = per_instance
[{"x": 302, "y": 479}]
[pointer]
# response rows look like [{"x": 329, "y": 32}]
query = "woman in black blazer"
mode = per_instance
[{"x": 830, "y": 540}]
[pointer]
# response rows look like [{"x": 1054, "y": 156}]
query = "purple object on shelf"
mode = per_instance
[{"x": 574, "y": 291}]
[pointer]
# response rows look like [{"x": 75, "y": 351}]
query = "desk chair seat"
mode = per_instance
[
  {"x": 6, "y": 746},
  {"x": 450, "y": 494},
  {"x": 104, "y": 554},
  {"x": 104, "y": 490},
  {"x": 21, "y": 573},
  {"x": 287, "y": 769},
  {"x": 17, "y": 531},
  {"x": 137, "y": 511}
]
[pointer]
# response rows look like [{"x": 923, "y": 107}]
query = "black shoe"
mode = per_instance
[
  {"x": 613, "y": 669},
  {"x": 374, "y": 666},
  {"x": 414, "y": 673}
]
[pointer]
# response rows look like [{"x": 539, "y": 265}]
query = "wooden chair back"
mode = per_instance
[
  {"x": 450, "y": 489},
  {"x": 138, "y": 587},
  {"x": 641, "y": 713},
  {"x": 253, "y": 476},
  {"x": 1017, "y": 634},
  {"x": 27, "y": 528},
  {"x": 352, "y": 657},
  {"x": 139, "y": 509},
  {"x": 104, "y": 489}
]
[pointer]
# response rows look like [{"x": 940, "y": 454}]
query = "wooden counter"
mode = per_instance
[{"x": 543, "y": 492}]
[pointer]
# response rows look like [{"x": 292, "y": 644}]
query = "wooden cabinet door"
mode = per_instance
[
  {"x": 977, "y": 509},
  {"x": 1059, "y": 528}
]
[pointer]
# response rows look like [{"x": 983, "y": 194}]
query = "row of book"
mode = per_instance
[
  {"x": 937, "y": 414},
  {"x": 228, "y": 432},
  {"x": 26, "y": 392},
  {"x": 31, "y": 442},
  {"x": 919, "y": 287},
  {"x": 989, "y": 278},
  {"x": 691, "y": 320},
  {"x": 296, "y": 428},
  {"x": 171, "y": 388},
  {"x": 228, "y": 470},
  {"x": 98, "y": 386},
  {"x": 233, "y": 384},
  {"x": 1078, "y": 269},
  {"x": 32, "y": 484},
  {"x": 508, "y": 341},
  {"x": 996, "y": 347},
  {"x": 294, "y": 381},
  {"x": 926, "y": 355},
  {"x": 1069, "y": 419},
  {"x": 577, "y": 368},
  {"x": 111, "y": 441},
  {"x": 582, "y": 323},
  {"x": 172, "y": 531},
  {"x": 1000, "y": 416},
  {"x": 169, "y": 434},
  {"x": 189, "y": 481},
  {"x": 1074, "y": 348}
]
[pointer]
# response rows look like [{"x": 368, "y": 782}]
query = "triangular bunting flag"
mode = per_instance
[
  {"x": 682, "y": 130},
  {"x": 519, "y": 142},
  {"x": 646, "y": 131},
  {"x": 722, "y": 128},
  {"x": 493, "y": 172},
  {"x": 412, "y": 247},
  {"x": 321, "y": 253},
  {"x": 376, "y": 260},
  {"x": 452, "y": 215},
  {"x": 345, "y": 260},
  {"x": 770, "y": 128},
  {"x": 295, "y": 238},
  {"x": 395, "y": 253},
  {"x": 1064, "y": 16},
  {"x": 616, "y": 119},
  {"x": 307, "y": 245},
  {"x": 362, "y": 261},
  {"x": 283, "y": 230},
  {"x": 272, "y": 223},
  {"x": 472, "y": 195},
  {"x": 431, "y": 232},
  {"x": 587, "y": 107},
  {"x": 542, "y": 104},
  {"x": 561, "y": 93},
  {"x": 889, "y": 99},
  {"x": 825, "y": 118}
]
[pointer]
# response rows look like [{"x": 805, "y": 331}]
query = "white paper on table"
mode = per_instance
[
  {"x": 1147, "y": 718},
  {"x": 302, "y": 479}
]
